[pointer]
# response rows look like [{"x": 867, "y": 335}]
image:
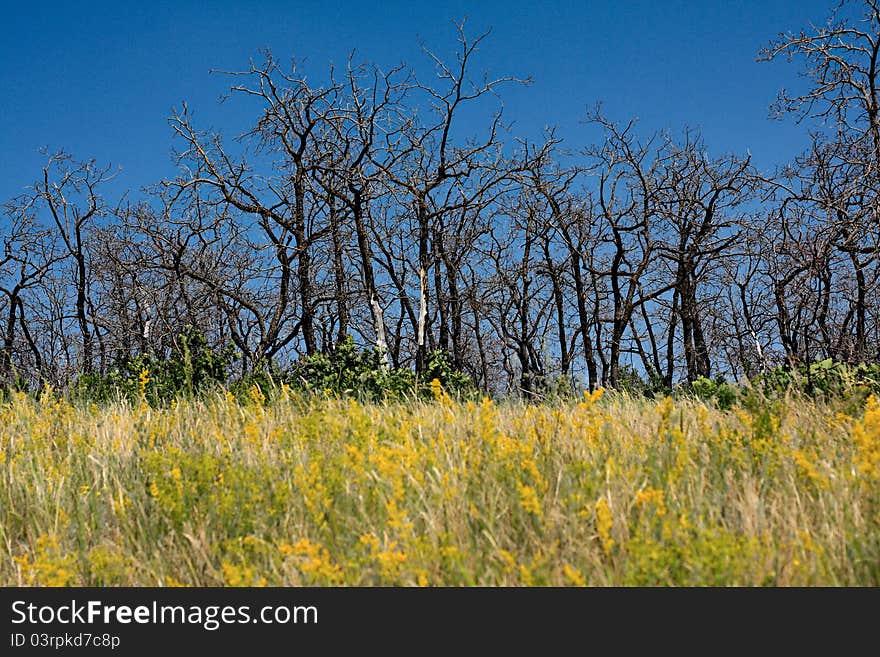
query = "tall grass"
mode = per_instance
[{"x": 608, "y": 491}]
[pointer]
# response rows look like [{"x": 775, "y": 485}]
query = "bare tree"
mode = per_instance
[
  {"x": 29, "y": 254},
  {"x": 281, "y": 202},
  {"x": 431, "y": 162},
  {"x": 834, "y": 184}
]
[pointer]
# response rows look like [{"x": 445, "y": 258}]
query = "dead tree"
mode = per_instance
[{"x": 431, "y": 162}]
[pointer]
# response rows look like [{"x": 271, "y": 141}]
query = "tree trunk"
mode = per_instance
[
  {"x": 81, "y": 314},
  {"x": 303, "y": 270},
  {"x": 424, "y": 264},
  {"x": 366, "y": 254},
  {"x": 8, "y": 338},
  {"x": 338, "y": 273}
]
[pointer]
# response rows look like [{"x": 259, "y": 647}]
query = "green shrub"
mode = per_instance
[
  {"x": 439, "y": 367},
  {"x": 824, "y": 378},
  {"x": 190, "y": 368},
  {"x": 14, "y": 383},
  {"x": 631, "y": 381},
  {"x": 267, "y": 377},
  {"x": 719, "y": 391},
  {"x": 348, "y": 371}
]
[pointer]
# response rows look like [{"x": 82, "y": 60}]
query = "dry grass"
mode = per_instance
[{"x": 612, "y": 491}]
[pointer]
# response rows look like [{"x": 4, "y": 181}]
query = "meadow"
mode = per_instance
[{"x": 293, "y": 490}]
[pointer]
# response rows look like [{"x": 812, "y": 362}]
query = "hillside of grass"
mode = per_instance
[{"x": 317, "y": 490}]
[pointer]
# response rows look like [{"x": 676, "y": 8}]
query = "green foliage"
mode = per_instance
[
  {"x": 15, "y": 383},
  {"x": 718, "y": 390},
  {"x": 193, "y": 366},
  {"x": 439, "y": 367},
  {"x": 824, "y": 378},
  {"x": 348, "y": 371},
  {"x": 119, "y": 383},
  {"x": 629, "y": 380},
  {"x": 266, "y": 377},
  {"x": 560, "y": 388}
]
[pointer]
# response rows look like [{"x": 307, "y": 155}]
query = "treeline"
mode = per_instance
[{"x": 371, "y": 204}]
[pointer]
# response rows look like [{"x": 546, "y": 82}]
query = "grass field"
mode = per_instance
[{"x": 608, "y": 491}]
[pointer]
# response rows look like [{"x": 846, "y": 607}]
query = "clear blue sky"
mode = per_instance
[{"x": 100, "y": 78}]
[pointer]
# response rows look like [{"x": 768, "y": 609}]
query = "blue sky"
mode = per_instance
[{"x": 101, "y": 78}]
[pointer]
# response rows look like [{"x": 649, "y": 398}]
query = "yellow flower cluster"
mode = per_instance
[
  {"x": 866, "y": 436},
  {"x": 313, "y": 559},
  {"x": 652, "y": 498},
  {"x": 604, "y": 524},
  {"x": 48, "y": 565}
]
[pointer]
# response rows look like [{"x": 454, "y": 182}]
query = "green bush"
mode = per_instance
[
  {"x": 824, "y": 378},
  {"x": 266, "y": 376},
  {"x": 15, "y": 383},
  {"x": 439, "y": 367},
  {"x": 631, "y": 381},
  {"x": 348, "y": 371},
  {"x": 190, "y": 368},
  {"x": 719, "y": 391}
]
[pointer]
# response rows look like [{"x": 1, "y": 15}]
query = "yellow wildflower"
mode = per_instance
[
  {"x": 143, "y": 380},
  {"x": 604, "y": 523},
  {"x": 573, "y": 576},
  {"x": 652, "y": 497},
  {"x": 866, "y": 436},
  {"x": 528, "y": 500},
  {"x": 806, "y": 466}
]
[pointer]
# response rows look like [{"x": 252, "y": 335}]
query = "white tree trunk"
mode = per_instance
[{"x": 379, "y": 326}]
